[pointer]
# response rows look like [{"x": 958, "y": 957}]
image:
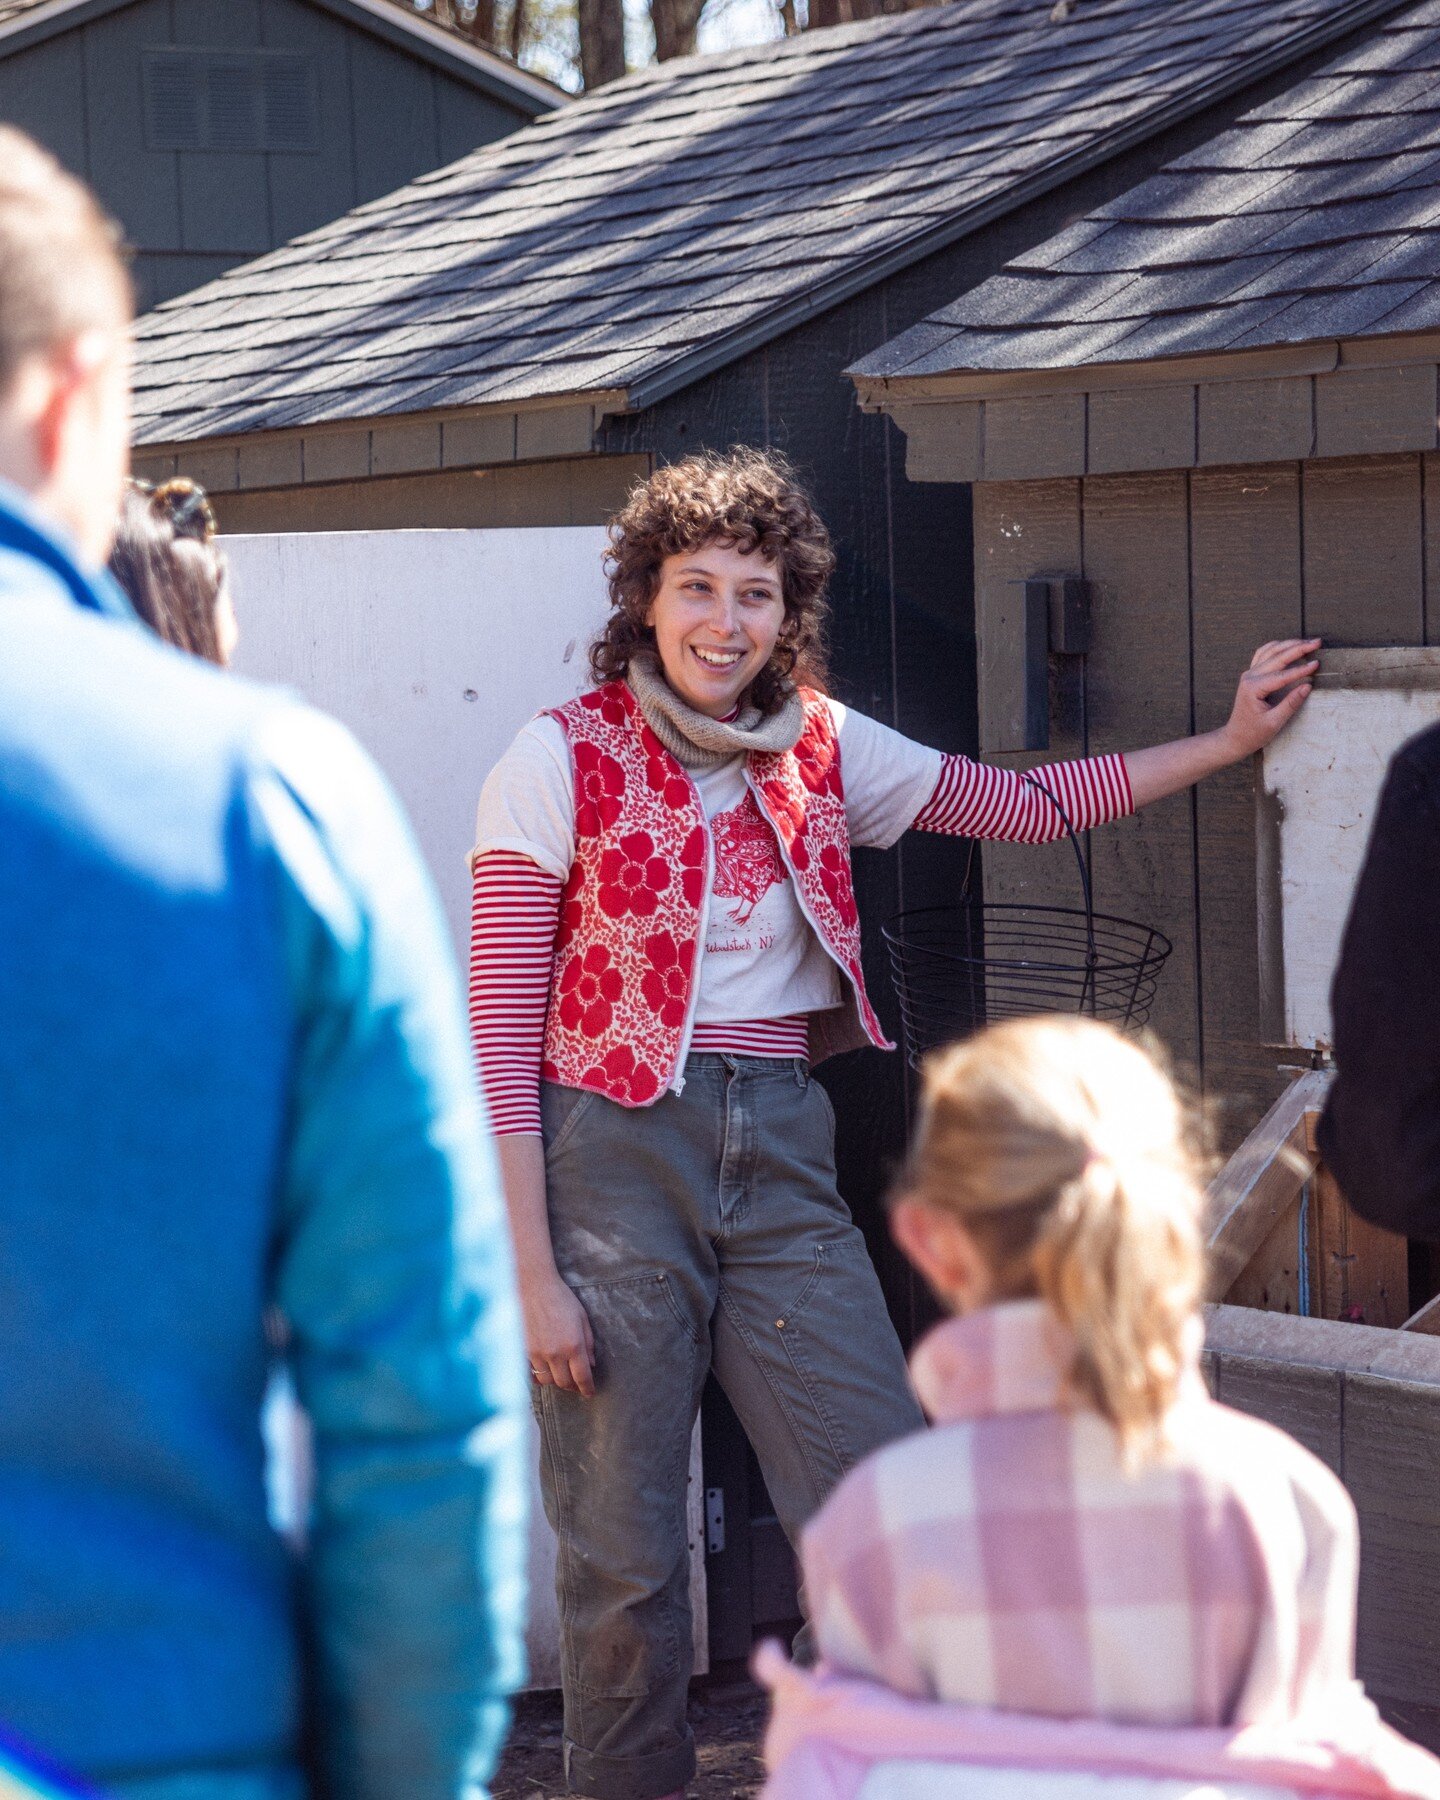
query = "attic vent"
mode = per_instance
[{"x": 231, "y": 100}]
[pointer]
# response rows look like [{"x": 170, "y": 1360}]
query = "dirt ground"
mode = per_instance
[{"x": 727, "y": 1717}]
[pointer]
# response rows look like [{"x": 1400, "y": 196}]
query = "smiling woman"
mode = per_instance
[
  {"x": 665, "y": 940},
  {"x": 739, "y": 524}
]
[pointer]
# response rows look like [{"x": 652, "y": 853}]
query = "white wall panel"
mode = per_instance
[{"x": 435, "y": 647}]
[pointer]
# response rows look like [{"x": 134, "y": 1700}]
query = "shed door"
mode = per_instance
[{"x": 435, "y": 647}]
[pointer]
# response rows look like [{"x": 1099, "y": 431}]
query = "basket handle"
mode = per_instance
[
  {"x": 1092, "y": 955},
  {"x": 1035, "y": 782}
]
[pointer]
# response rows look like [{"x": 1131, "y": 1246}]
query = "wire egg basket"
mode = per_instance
[{"x": 958, "y": 968}]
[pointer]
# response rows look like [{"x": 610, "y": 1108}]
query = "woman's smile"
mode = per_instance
[{"x": 716, "y": 616}]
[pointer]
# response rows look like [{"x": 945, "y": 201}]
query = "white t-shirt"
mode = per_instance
[{"x": 762, "y": 960}]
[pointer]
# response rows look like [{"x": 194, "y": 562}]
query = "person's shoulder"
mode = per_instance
[
  {"x": 825, "y": 706},
  {"x": 74, "y": 685},
  {"x": 539, "y": 752},
  {"x": 611, "y": 701},
  {"x": 1259, "y": 1461},
  {"x": 1419, "y": 758}
]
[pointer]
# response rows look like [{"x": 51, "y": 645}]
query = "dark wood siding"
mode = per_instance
[
  {"x": 384, "y": 118},
  {"x": 1191, "y": 572},
  {"x": 577, "y": 491}
]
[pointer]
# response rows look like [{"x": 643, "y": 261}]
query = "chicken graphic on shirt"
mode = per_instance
[{"x": 747, "y": 858}]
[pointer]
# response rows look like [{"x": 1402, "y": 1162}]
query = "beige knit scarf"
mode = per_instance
[{"x": 697, "y": 741}]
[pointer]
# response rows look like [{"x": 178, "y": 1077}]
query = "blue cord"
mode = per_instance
[{"x": 1304, "y": 1270}]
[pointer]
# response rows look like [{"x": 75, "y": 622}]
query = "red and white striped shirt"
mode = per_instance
[{"x": 515, "y": 910}]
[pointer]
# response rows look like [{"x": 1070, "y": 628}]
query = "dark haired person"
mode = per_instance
[
  {"x": 1380, "y": 1131},
  {"x": 233, "y": 1076},
  {"x": 665, "y": 940},
  {"x": 173, "y": 572}
]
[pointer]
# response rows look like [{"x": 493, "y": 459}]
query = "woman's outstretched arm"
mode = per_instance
[{"x": 979, "y": 800}]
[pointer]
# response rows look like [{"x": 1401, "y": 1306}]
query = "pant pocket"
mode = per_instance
[
  {"x": 561, "y": 1111},
  {"x": 842, "y": 1346}
]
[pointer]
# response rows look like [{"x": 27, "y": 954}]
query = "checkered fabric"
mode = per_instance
[{"x": 1008, "y": 1560}]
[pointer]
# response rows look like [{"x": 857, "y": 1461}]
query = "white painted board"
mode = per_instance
[
  {"x": 435, "y": 647},
  {"x": 1320, "y": 782}
]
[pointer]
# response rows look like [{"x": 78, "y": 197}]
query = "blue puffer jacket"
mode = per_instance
[{"x": 233, "y": 1074}]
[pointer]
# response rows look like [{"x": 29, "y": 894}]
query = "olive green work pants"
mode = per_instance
[{"x": 703, "y": 1232}]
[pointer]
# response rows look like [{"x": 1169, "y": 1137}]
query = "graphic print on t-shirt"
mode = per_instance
[{"x": 747, "y": 859}]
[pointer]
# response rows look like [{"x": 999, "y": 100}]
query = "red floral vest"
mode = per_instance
[{"x": 632, "y": 918}]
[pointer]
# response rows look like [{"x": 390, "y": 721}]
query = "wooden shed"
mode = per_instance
[
  {"x": 1213, "y": 402},
  {"x": 692, "y": 257},
  {"x": 218, "y": 129}
]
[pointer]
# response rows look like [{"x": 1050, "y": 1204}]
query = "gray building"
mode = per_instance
[
  {"x": 215, "y": 130},
  {"x": 1214, "y": 399}
]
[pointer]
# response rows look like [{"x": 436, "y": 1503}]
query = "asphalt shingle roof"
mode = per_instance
[
  {"x": 1316, "y": 216},
  {"x": 678, "y": 217}
]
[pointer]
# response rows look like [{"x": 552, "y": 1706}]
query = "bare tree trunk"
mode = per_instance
[
  {"x": 828, "y": 12},
  {"x": 789, "y": 17},
  {"x": 602, "y": 42},
  {"x": 515, "y": 35},
  {"x": 675, "y": 23}
]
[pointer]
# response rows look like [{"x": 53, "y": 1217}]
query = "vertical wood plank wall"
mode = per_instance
[{"x": 1191, "y": 571}]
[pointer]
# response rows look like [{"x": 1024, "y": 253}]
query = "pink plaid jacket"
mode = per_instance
[
  {"x": 835, "y": 1738},
  {"x": 1187, "y": 1628},
  {"x": 1006, "y": 1559}
]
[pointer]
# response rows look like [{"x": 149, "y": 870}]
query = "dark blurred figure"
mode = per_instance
[
  {"x": 1380, "y": 1132},
  {"x": 233, "y": 1081},
  {"x": 172, "y": 569}
]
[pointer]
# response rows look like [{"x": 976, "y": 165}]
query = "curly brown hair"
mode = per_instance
[{"x": 752, "y": 499}]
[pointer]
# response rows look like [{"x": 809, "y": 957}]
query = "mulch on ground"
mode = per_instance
[{"x": 727, "y": 1717}]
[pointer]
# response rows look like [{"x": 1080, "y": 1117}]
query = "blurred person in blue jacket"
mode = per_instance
[{"x": 233, "y": 1078}]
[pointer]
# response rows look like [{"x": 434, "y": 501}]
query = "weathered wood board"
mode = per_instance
[
  {"x": 1367, "y": 1402},
  {"x": 1189, "y": 572}
]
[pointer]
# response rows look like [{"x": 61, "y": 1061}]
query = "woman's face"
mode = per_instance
[{"x": 716, "y": 616}]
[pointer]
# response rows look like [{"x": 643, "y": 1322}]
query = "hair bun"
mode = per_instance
[{"x": 182, "y": 503}]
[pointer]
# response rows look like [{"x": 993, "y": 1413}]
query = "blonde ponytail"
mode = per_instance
[{"x": 1062, "y": 1147}]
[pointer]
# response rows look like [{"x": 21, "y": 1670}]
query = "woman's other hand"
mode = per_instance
[
  {"x": 1271, "y": 691},
  {"x": 558, "y": 1339}
]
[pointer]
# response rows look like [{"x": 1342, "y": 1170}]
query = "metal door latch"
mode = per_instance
[{"x": 714, "y": 1521}]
